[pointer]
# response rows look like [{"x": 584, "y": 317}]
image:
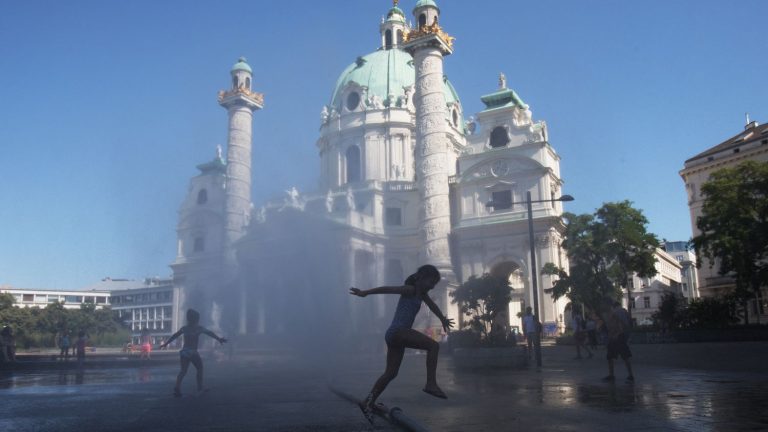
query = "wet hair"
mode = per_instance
[
  {"x": 425, "y": 271},
  {"x": 529, "y": 309},
  {"x": 193, "y": 316}
]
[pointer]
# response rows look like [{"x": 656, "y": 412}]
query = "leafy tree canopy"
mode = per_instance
[
  {"x": 734, "y": 224},
  {"x": 604, "y": 250},
  {"x": 482, "y": 299}
]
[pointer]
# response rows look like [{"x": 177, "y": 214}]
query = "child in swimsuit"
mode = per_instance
[
  {"x": 401, "y": 335},
  {"x": 188, "y": 353}
]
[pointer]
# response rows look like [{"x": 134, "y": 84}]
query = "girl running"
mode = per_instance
[
  {"x": 400, "y": 334},
  {"x": 188, "y": 353}
]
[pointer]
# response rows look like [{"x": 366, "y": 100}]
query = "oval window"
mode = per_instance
[{"x": 353, "y": 101}]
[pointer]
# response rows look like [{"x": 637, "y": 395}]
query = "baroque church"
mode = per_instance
[{"x": 405, "y": 179}]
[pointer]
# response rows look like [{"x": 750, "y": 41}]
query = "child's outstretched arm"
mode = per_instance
[
  {"x": 403, "y": 290},
  {"x": 213, "y": 335},
  {"x": 172, "y": 338},
  {"x": 447, "y": 322}
]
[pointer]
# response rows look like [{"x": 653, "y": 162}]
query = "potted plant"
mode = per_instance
[{"x": 485, "y": 340}]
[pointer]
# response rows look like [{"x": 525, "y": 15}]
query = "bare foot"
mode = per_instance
[
  {"x": 435, "y": 391},
  {"x": 367, "y": 411}
]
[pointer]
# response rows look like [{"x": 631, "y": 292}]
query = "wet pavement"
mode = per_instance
[{"x": 280, "y": 393}]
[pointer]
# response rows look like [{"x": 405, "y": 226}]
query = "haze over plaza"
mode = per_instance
[{"x": 107, "y": 108}]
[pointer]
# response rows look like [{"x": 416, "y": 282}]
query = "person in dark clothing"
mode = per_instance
[{"x": 401, "y": 335}]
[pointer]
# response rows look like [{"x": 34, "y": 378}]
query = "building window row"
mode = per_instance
[
  {"x": 162, "y": 296},
  {"x": 51, "y": 298}
]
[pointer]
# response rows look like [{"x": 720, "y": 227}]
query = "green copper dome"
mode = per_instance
[
  {"x": 383, "y": 72},
  {"x": 423, "y": 3},
  {"x": 396, "y": 14},
  {"x": 241, "y": 65}
]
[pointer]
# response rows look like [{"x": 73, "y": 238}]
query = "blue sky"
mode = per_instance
[{"x": 106, "y": 107}]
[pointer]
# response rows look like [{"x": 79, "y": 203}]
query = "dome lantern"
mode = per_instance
[
  {"x": 426, "y": 13},
  {"x": 241, "y": 75},
  {"x": 392, "y": 27}
]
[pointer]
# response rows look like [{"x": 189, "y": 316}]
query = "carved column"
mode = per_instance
[
  {"x": 240, "y": 105},
  {"x": 238, "y": 190},
  {"x": 431, "y": 157},
  {"x": 428, "y": 45}
]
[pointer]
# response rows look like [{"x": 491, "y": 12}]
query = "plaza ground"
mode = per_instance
[{"x": 696, "y": 387}]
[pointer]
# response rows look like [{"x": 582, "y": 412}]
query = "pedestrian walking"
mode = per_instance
[
  {"x": 592, "y": 331},
  {"x": 531, "y": 329},
  {"x": 617, "y": 340},
  {"x": 580, "y": 336}
]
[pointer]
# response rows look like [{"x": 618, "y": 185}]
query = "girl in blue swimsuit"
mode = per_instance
[{"x": 401, "y": 335}]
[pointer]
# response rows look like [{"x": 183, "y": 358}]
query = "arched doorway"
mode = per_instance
[{"x": 513, "y": 274}]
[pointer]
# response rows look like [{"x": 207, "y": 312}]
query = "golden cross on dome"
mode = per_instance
[{"x": 395, "y": 2}]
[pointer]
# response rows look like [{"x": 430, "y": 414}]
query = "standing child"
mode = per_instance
[
  {"x": 8, "y": 344},
  {"x": 64, "y": 345},
  {"x": 146, "y": 344},
  {"x": 188, "y": 353},
  {"x": 401, "y": 334},
  {"x": 80, "y": 347}
]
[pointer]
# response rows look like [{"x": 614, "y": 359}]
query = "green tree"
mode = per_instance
[
  {"x": 712, "y": 312},
  {"x": 734, "y": 226},
  {"x": 52, "y": 322},
  {"x": 482, "y": 300},
  {"x": 6, "y": 301},
  {"x": 604, "y": 250},
  {"x": 671, "y": 314}
]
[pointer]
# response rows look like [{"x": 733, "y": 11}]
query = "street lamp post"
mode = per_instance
[{"x": 534, "y": 277}]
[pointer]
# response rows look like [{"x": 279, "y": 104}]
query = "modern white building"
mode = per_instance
[
  {"x": 151, "y": 305},
  {"x": 405, "y": 180},
  {"x": 646, "y": 294},
  {"x": 25, "y": 297}
]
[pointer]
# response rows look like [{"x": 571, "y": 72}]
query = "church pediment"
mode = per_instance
[{"x": 500, "y": 168}]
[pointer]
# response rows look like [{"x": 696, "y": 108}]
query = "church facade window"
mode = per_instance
[
  {"x": 247, "y": 83},
  {"x": 393, "y": 216},
  {"x": 202, "y": 197},
  {"x": 234, "y": 82},
  {"x": 499, "y": 137},
  {"x": 422, "y": 20},
  {"x": 388, "y": 39},
  {"x": 502, "y": 200},
  {"x": 199, "y": 245},
  {"x": 353, "y": 164}
]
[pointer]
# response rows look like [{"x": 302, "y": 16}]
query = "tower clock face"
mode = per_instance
[{"x": 500, "y": 168}]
